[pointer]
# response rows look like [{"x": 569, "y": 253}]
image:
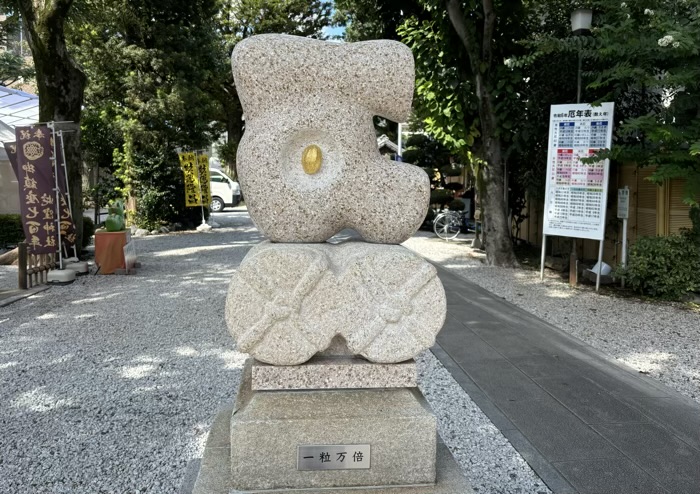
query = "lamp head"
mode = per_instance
[{"x": 581, "y": 20}]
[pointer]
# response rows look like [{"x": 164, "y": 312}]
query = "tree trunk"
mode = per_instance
[
  {"x": 234, "y": 129},
  {"x": 61, "y": 87},
  {"x": 496, "y": 231},
  {"x": 497, "y": 241}
]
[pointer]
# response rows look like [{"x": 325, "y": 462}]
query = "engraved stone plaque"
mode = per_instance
[{"x": 333, "y": 457}]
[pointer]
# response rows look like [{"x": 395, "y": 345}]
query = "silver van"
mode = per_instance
[{"x": 225, "y": 192}]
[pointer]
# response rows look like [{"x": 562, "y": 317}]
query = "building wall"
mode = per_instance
[
  {"x": 654, "y": 210},
  {"x": 9, "y": 189}
]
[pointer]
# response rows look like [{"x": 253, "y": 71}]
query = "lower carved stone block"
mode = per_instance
[{"x": 288, "y": 301}]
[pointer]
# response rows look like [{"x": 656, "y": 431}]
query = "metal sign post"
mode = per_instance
[
  {"x": 623, "y": 210},
  {"x": 544, "y": 244}
]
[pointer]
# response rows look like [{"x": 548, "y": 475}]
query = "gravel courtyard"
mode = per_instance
[{"x": 109, "y": 385}]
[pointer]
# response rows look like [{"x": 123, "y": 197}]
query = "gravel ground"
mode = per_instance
[
  {"x": 659, "y": 339},
  {"x": 110, "y": 384}
]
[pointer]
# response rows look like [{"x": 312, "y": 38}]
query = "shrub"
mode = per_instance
[
  {"x": 88, "y": 230},
  {"x": 441, "y": 197},
  {"x": 456, "y": 205},
  {"x": 664, "y": 267},
  {"x": 11, "y": 231}
]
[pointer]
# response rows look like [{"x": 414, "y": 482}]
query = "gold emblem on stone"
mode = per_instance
[
  {"x": 33, "y": 150},
  {"x": 311, "y": 159}
]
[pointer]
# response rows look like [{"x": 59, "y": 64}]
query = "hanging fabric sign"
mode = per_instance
[
  {"x": 205, "y": 178},
  {"x": 196, "y": 174},
  {"x": 36, "y": 183},
  {"x": 11, "y": 150},
  {"x": 68, "y": 231}
]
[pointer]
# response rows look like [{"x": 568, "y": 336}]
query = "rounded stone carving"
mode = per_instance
[
  {"x": 288, "y": 301},
  {"x": 289, "y": 108}
]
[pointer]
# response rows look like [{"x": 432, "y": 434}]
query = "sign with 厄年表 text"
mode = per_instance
[
  {"x": 195, "y": 167},
  {"x": 576, "y": 192},
  {"x": 334, "y": 457}
]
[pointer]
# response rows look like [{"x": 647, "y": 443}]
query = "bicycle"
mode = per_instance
[{"x": 448, "y": 224}]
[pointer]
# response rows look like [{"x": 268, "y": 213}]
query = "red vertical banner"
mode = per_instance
[{"x": 36, "y": 188}]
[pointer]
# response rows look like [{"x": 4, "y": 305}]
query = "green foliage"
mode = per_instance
[
  {"x": 664, "y": 267},
  {"x": 375, "y": 19},
  {"x": 11, "y": 231},
  {"x": 429, "y": 154},
  {"x": 14, "y": 68},
  {"x": 245, "y": 18},
  {"x": 150, "y": 63},
  {"x": 441, "y": 197},
  {"x": 643, "y": 56},
  {"x": 456, "y": 205},
  {"x": 88, "y": 230},
  {"x": 443, "y": 94}
]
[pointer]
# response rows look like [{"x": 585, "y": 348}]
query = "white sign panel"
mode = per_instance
[
  {"x": 623, "y": 203},
  {"x": 576, "y": 193}
]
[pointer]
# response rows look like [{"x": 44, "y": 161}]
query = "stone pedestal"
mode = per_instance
[{"x": 329, "y": 400}]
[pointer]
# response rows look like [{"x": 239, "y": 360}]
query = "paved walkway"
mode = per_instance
[{"x": 582, "y": 421}]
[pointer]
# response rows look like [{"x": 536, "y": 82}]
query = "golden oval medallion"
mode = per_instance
[{"x": 311, "y": 159}]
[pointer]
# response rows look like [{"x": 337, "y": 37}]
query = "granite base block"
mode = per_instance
[
  {"x": 214, "y": 476},
  {"x": 397, "y": 424},
  {"x": 334, "y": 373}
]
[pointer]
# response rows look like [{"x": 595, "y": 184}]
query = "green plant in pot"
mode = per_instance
[{"x": 115, "y": 218}]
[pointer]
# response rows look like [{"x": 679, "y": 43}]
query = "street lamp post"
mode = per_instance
[{"x": 581, "y": 20}]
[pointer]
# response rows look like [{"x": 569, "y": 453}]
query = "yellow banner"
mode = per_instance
[{"x": 196, "y": 174}]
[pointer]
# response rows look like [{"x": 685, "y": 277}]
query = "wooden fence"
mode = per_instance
[{"x": 33, "y": 268}]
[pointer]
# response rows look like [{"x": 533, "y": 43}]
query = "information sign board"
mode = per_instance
[
  {"x": 623, "y": 203},
  {"x": 576, "y": 192}
]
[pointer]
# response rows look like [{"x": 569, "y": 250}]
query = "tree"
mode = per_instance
[
  {"x": 14, "y": 68},
  {"x": 467, "y": 96},
  {"x": 375, "y": 19},
  {"x": 149, "y": 63},
  {"x": 644, "y": 56},
  {"x": 60, "y": 82}
]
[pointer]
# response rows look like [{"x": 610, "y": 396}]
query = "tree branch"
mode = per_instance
[
  {"x": 489, "y": 24},
  {"x": 454, "y": 11}
]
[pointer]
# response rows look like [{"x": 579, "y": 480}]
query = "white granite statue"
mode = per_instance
[
  {"x": 309, "y": 167},
  {"x": 308, "y": 161},
  {"x": 386, "y": 302}
]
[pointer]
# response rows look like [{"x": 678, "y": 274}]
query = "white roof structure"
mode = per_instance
[{"x": 18, "y": 108}]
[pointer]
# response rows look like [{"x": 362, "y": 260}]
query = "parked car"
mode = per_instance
[{"x": 225, "y": 191}]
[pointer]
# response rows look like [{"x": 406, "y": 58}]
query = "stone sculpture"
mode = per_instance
[
  {"x": 308, "y": 161},
  {"x": 352, "y": 314},
  {"x": 386, "y": 302}
]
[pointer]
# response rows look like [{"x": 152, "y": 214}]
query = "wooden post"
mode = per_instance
[{"x": 22, "y": 265}]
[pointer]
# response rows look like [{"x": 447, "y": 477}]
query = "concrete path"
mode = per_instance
[{"x": 583, "y": 422}]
